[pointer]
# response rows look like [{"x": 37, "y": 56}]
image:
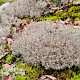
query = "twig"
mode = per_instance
[{"x": 2, "y": 56}]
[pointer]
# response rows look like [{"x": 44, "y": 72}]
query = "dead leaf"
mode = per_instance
[
  {"x": 9, "y": 41},
  {"x": 6, "y": 66},
  {"x": 11, "y": 77},
  {"x": 51, "y": 77},
  {"x": 47, "y": 77},
  {"x": 1, "y": 61},
  {"x": 5, "y": 77}
]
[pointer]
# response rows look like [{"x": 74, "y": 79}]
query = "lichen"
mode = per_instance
[
  {"x": 52, "y": 45},
  {"x": 26, "y": 8}
]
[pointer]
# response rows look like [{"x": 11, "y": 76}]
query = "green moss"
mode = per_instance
[
  {"x": 58, "y": 13},
  {"x": 20, "y": 64},
  {"x": 0, "y": 71},
  {"x": 63, "y": 16},
  {"x": 52, "y": 18},
  {"x": 78, "y": 15},
  {"x": 27, "y": 19},
  {"x": 41, "y": 19},
  {"x": 20, "y": 77},
  {"x": 74, "y": 13},
  {"x": 68, "y": 74},
  {"x": 0, "y": 74},
  {"x": 72, "y": 9},
  {"x": 74, "y": 76},
  {"x": 32, "y": 72},
  {"x": 8, "y": 58},
  {"x": 3, "y": 1},
  {"x": 77, "y": 19},
  {"x": 48, "y": 18}
]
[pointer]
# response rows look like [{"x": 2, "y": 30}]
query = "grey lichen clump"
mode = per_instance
[
  {"x": 53, "y": 45},
  {"x": 26, "y": 8},
  {"x": 4, "y": 31}
]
